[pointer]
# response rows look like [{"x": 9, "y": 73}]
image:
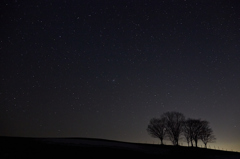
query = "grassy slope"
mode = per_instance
[{"x": 11, "y": 147}]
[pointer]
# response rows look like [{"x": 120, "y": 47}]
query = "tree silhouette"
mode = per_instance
[
  {"x": 174, "y": 125},
  {"x": 188, "y": 132},
  {"x": 197, "y": 125},
  {"x": 206, "y": 134},
  {"x": 193, "y": 129},
  {"x": 156, "y": 128}
]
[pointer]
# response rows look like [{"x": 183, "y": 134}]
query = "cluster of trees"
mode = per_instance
[{"x": 172, "y": 125}]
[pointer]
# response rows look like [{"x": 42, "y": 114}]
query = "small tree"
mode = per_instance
[
  {"x": 174, "y": 125},
  {"x": 156, "y": 128},
  {"x": 206, "y": 134}
]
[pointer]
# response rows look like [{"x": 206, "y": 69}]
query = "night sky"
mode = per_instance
[{"x": 103, "y": 69}]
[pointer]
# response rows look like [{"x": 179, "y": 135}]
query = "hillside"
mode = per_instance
[{"x": 15, "y": 147}]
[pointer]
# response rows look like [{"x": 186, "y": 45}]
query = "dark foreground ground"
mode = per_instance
[{"x": 12, "y": 147}]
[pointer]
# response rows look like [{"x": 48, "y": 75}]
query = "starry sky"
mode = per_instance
[{"x": 103, "y": 69}]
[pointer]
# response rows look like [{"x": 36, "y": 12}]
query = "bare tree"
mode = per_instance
[
  {"x": 197, "y": 126},
  {"x": 174, "y": 125},
  {"x": 206, "y": 134},
  {"x": 156, "y": 128},
  {"x": 193, "y": 129}
]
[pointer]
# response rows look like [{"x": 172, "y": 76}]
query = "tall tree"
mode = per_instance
[
  {"x": 156, "y": 128},
  {"x": 174, "y": 125},
  {"x": 193, "y": 129},
  {"x": 206, "y": 134}
]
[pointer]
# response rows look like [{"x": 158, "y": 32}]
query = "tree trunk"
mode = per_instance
[
  {"x": 176, "y": 142},
  {"x": 205, "y": 145},
  {"x": 196, "y": 143},
  {"x": 192, "y": 143},
  {"x": 161, "y": 141}
]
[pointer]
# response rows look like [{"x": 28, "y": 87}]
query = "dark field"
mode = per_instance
[{"x": 14, "y": 147}]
